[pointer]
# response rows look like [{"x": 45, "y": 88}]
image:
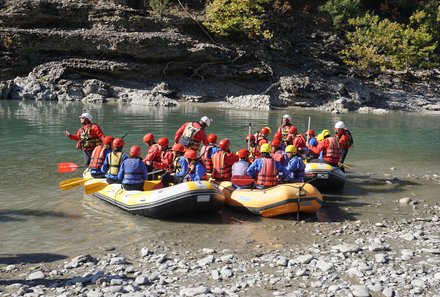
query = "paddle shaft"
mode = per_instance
[{"x": 249, "y": 135}]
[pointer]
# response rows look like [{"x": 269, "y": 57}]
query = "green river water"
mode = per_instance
[{"x": 36, "y": 217}]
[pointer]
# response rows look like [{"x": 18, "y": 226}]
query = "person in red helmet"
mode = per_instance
[
  {"x": 192, "y": 134},
  {"x": 98, "y": 157},
  {"x": 283, "y": 129},
  {"x": 222, "y": 161},
  {"x": 170, "y": 175},
  {"x": 297, "y": 140},
  {"x": 148, "y": 139},
  {"x": 166, "y": 157},
  {"x": 278, "y": 154},
  {"x": 240, "y": 167},
  {"x": 113, "y": 161},
  {"x": 133, "y": 171},
  {"x": 254, "y": 152},
  {"x": 154, "y": 154},
  {"x": 207, "y": 152},
  {"x": 88, "y": 136},
  {"x": 191, "y": 168},
  {"x": 263, "y": 136}
]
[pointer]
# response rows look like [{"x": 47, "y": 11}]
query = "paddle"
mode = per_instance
[
  {"x": 72, "y": 183},
  {"x": 249, "y": 141},
  {"x": 242, "y": 180},
  {"x": 94, "y": 187},
  {"x": 68, "y": 167}
]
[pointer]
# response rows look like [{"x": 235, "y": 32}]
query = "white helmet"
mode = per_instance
[
  {"x": 340, "y": 125},
  {"x": 87, "y": 116},
  {"x": 286, "y": 116},
  {"x": 206, "y": 120}
]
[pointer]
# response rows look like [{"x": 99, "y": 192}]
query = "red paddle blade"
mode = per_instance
[
  {"x": 242, "y": 180},
  {"x": 67, "y": 167}
]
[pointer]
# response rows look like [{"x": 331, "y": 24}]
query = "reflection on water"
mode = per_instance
[{"x": 37, "y": 217}]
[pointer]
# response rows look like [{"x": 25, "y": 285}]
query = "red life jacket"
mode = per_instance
[
  {"x": 333, "y": 152},
  {"x": 279, "y": 156},
  {"x": 97, "y": 158},
  {"x": 220, "y": 170},
  {"x": 267, "y": 176},
  {"x": 207, "y": 161}
]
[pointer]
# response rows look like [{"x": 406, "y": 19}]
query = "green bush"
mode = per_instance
[
  {"x": 236, "y": 17},
  {"x": 159, "y": 6},
  {"x": 340, "y": 11},
  {"x": 378, "y": 45}
]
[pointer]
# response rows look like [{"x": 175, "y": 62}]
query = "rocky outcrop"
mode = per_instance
[{"x": 100, "y": 51}]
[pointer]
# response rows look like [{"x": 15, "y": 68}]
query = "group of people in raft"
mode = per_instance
[{"x": 266, "y": 161}]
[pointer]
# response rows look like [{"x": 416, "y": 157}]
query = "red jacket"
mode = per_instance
[
  {"x": 95, "y": 136},
  {"x": 199, "y": 137},
  {"x": 154, "y": 154},
  {"x": 166, "y": 160}
]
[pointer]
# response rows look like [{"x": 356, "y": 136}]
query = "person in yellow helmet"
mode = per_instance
[
  {"x": 265, "y": 169},
  {"x": 295, "y": 165},
  {"x": 331, "y": 152}
]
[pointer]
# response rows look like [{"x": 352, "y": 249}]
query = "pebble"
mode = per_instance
[{"x": 36, "y": 275}]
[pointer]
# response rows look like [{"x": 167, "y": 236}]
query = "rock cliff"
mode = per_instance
[{"x": 116, "y": 51}]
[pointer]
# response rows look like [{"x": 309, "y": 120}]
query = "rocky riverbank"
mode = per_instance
[
  {"x": 351, "y": 258},
  {"x": 106, "y": 51}
]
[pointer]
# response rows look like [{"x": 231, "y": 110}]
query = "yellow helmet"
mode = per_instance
[
  {"x": 319, "y": 137},
  {"x": 325, "y": 133},
  {"x": 265, "y": 148},
  {"x": 291, "y": 149}
]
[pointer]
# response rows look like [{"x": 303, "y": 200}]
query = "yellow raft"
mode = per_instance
[
  {"x": 187, "y": 197},
  {"x": 278, "y": 200}
]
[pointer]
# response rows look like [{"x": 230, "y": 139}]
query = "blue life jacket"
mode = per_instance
[{"x": 132, "y": 171}]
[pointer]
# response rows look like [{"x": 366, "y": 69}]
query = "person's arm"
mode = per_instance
[
  {"x": 281, "y": 168},
  {"x": 320, "y": 147},
  {"x": 104, "y": 167},
  {"x": 151, "y": 154},
  {"x": 200, "y": 171},
  {"x": 183, "y": 167},
  {"x": 76, "y": 136},
  {"x": 254, "y": 168},
  {"x": 121, "y": 171},
  {"x": 179, "y": 133}
]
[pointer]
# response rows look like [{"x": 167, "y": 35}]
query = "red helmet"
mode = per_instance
[
  {"x": 265, "y": 131},
  {"x": 310, "y": 132},
  {"x": 135, "y": 151},
  {"x": 243, "y": 154},
  {"x": 224, "y": 144},
  {"x": 108, "y": 140},
  {"x": 293, "y": 130},
  {"x": 275, "y": 143},
  {"x": 148, "y": 137},
  {"x": 251, "y": 137},
  {"x": 163, "y": 142},
  {"x": 178, "y": 147},
  {"x": 118, "y": 142},
  {"x": 190, "y": 154},
  {"x": 212, "y": 138},
  {"x": 278, "y": 136}
]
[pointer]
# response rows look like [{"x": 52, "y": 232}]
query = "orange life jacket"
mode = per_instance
[
  {"x": 87, "y": 140},
  {"x": 267, "y": 176},
  {"x": 98, "y": 157},
  {"x": 220, "y": 170},
  {"x": 284, "y": 132},
  {"x": 207, "y": 161},
  {"x": 333, "y": 152}
]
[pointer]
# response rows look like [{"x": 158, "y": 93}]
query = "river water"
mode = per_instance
[{"x": 36, "y": 217}]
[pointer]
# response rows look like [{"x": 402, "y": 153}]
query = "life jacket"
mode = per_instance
[
  {"x": 267, "y": 177},
  {"x": 87, "y": 140},
  {"x": 284, "y": 132},
  {"x": 220, "y": 170},
  {"x": 187, "y": 138},
  {"x": 280, "y": 157},
  {"x": 207, "y": 161},
  {"x": 176, "y": 164},
  {"x": 239, "y": 168},
  {"x": 132, "y": 169},
  {"x": 114, "y": 162},
  {"x": 333, "y": 152},
  {"x": 98, "y": 157},
  {"x": 348, "y": 140}
]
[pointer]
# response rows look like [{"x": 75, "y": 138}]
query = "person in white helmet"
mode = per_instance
[
  {"x": 192, "y": 134},
  {"x": 88, "y": 136},
  {"x": 283, "y": 129},
  {"x": 344, "y": 138}
]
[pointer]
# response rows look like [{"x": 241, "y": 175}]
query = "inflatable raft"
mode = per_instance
[
  {"x": 182, "y": 198},
  {"x": 278, "y": 200},
  {"x": 324, "y": 176}
]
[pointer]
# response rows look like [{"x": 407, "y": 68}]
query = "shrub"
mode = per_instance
[
  {"x": 159, "y": 6},
  {"x": 377, "y": 45},
  {"x": 231, "y": 17},
  {"x": 340, "y": 11}
]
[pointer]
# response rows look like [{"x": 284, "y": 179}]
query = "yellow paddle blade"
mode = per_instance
[
  {"x": 94, "y": 187},
  {"x": 72, "y": 183}
]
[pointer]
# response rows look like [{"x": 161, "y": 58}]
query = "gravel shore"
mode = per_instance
[{"x": 350, "y": 258}]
